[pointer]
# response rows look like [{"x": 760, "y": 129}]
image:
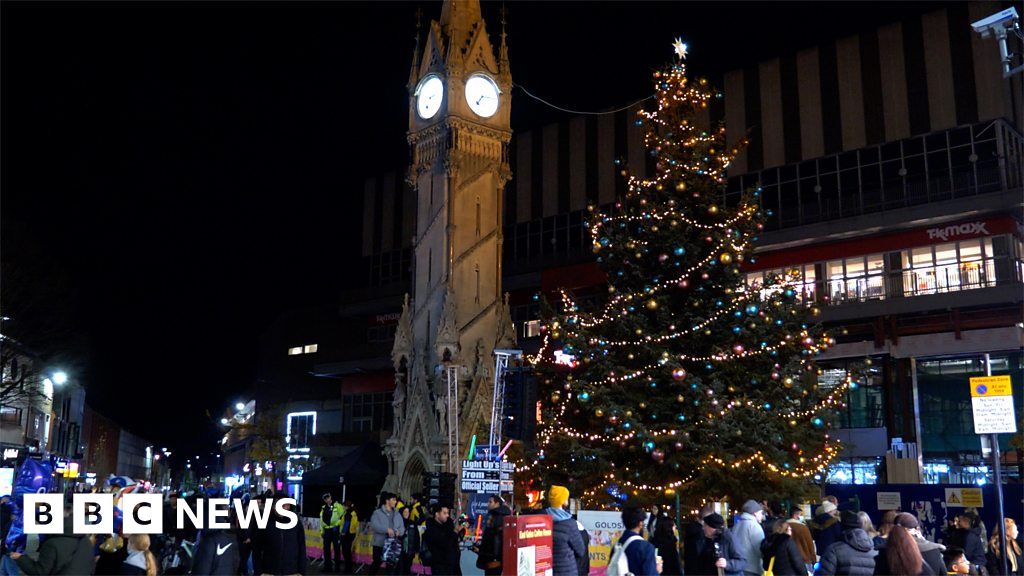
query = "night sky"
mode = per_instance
[{"x": 186, "y": 171}]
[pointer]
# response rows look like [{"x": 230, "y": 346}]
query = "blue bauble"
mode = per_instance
[{"x": 679, "y": 251}]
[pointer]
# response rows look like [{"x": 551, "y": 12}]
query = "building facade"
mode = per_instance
[{"x": 891, "y": 167}]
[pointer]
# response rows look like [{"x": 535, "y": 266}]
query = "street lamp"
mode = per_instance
[
  {"x": 224, "y": 421},
  {"x": 240, "y": 406},
  {"x": 60, "y": 377}
]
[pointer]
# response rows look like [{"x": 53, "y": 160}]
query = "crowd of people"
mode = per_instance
[{"x": 759, "y": 540}]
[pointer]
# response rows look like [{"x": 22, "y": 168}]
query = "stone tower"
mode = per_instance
[{"x": 459, "y": 133}]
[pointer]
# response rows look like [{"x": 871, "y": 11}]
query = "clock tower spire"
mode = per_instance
[{"x": 459, "y": 134}]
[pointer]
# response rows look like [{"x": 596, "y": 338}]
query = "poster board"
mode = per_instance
[
  {"x": 526, "y": 546},
  {"x": 605, "y": 529}
]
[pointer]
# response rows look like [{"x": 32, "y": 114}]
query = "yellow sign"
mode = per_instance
[
  {"x": 964, "y": 497},
  {"x": 985, "y": 386}
]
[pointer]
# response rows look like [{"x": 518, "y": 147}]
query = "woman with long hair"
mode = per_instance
[
  {"x": 780, "y": 551},
  {"x": 903, "y": 556},
  {"x": 140, "y": 561},
  {"x": 666, "y": 540},
  {"x": 1014, "y": 563},
  {"x": 884, "y": 528}
]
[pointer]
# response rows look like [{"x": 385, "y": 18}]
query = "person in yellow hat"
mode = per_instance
[{"x": 567, "y": 548}]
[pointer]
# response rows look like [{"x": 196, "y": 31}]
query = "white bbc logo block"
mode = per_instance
[
  {"x": 142, "y": 513},
  {"x": 44, "y": 514},
  {"x": 93, "y": 513}
]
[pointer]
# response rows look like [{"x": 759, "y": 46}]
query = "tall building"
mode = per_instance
[
  {"x": 459, "y": 133},
  {"x": 891, "y": 166}
]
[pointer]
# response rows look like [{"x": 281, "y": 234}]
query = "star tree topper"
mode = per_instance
[{"x": 680, "y": 48}]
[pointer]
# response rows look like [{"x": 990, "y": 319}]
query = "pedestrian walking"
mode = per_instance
[
  {"x": 802, "y": 536},
  {"x": 348, "y": 531},
  {"x": 331, "y": 517},
  {"x": 566, "y": 544},
  {"x": 780, "y": 553},
  {"x": 717, "y": 549},
  {"x": 441, "y": 544},
  {"x": 854, "y": 553},
  {"x": 489, "y": 550},
  {"x": 901, "y": 556},
  {"x": 748, "y": 534},
  {"x": 824, "y": 527},
  {"x": 641, "y": 556},
  {"x": 386, "y": 525},
  {"x": 666, "y": 541}
]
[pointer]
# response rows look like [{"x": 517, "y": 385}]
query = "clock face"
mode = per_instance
[
  {"x": 482, "y": 95},
  {"x": 429, "y": 95}
]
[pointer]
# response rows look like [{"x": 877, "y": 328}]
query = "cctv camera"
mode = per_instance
[{"x": 996, "y": 22}]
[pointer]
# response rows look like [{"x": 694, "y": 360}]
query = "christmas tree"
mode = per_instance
[{"x": 684, "y": 378}]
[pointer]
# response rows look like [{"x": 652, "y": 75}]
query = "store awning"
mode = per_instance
[{"x": 363, "y": 465}]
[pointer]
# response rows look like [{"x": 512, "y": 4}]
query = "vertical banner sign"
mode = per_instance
[
  {"x": 526, "y": 546},
  {"x": 992, "y": 400},
  {"x": 605, "y": 529}
]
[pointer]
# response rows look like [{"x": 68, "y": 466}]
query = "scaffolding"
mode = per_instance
[
  {"x": 501, "y": 358},
  {"x": 451, "y": 377}
]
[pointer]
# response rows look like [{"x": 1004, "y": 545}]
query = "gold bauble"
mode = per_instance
[
  {"x": 599, "y": 413},
  {"x": 725, "y": 258},
  {"x": 652, "y": 304},
  {"x": 681, "y": 186},
  {"x": 643, "y": 405},
  {"x": 680, "y": 398},
  {"x": 712, "y": 209},
  {"x": 629, "y": 413},
  {"x": 555, "y": 398}
]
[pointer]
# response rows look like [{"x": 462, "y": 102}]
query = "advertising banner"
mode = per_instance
[
  {"x": 526, "y": 549},
  {"x": 314, "y": 540},
  {"x": 605, "y": 529}
]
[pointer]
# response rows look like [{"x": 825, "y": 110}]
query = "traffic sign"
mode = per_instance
[{"x": 992, "y": 401}]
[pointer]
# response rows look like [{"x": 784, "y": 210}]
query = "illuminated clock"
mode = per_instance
[
  {"x": 482, "y": 95},
  {"x": 429, "y": 95}
]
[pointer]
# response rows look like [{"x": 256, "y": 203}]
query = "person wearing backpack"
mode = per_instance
[{"x": 633, "y": 555}]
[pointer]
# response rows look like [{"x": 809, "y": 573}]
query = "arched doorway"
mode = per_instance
[{"x": 412, "y": 477}]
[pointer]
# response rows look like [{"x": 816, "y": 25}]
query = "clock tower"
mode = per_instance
[{"x": 459, "y": 133}]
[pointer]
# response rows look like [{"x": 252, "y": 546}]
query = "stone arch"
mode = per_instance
[{"x": 412, "y": 476}]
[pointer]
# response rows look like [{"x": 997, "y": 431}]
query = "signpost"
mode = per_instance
[{"x": 992, "y": 403}]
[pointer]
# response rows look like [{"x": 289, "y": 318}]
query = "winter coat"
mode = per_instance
[
  {"x": 490, "y": 542},
  {"x": 826, "y": 530},
  {"x": 788, "y": 559},
  {"x": 640, "y": 555},
  {"x": 735, "y": 562},
  {"x": 693, "y": 537},
  {"x": 668, "y": 550},
  {"x": 970, "y": 541},
  {"x": 748, "y": 535},
  {"x": 804, "y": 541},
  {"x": 931, "y": 553},
  {"x": 584, "y": 563},
  {"x": 853, "y": 555},
  {"x": 350, "y": 522},
  {"x": 411, "y": 540},
  {"x": 218, "y": 554},
  {"x": 279, "y": 551},
  {"x": 443, "y": 544},
  {"x": 66, "y": 553},
  {"x": 381, "y": 521},
  {"x": 566, "y": 548}
]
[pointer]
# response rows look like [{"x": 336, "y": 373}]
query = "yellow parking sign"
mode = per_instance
[{"x": 985, "y": 386}]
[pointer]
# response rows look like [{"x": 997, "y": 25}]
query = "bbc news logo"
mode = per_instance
[{"x": 143, "y": 513}]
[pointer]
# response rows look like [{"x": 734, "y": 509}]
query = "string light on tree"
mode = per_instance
[{"x": 684, "y": 377}]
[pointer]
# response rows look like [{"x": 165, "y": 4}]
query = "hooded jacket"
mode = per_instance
[
  {"x": 826, "y": 530},
  {"x": 853, "y": 555},
  {"x": 788, "y": 559},
  {"x": 66, "y": 553},
  {"x": 566, "y": 546},
  {"x": 217, "y": 555},
  {"x": 748, "y": 535}
]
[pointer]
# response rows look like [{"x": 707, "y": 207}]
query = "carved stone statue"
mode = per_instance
[
  {"x": 398, "y": 402},
  {"x": 441, "y": 406}
]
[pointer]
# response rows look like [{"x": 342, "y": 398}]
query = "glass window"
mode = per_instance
[
  {"x": 295, "y": 351},
  {"x": 921, "y": 256},
  {"x": 309, "y": 348},
  {"x": 300, "y": 430}
]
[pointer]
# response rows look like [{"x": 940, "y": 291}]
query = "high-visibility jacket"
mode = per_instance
[{"x": 337, "y": 511}]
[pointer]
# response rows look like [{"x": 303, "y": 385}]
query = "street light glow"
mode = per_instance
[
  {"x": 240, "y": 406},
  {"x": 60, "y": 377},
  {"x": 224, "y": 421}
]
